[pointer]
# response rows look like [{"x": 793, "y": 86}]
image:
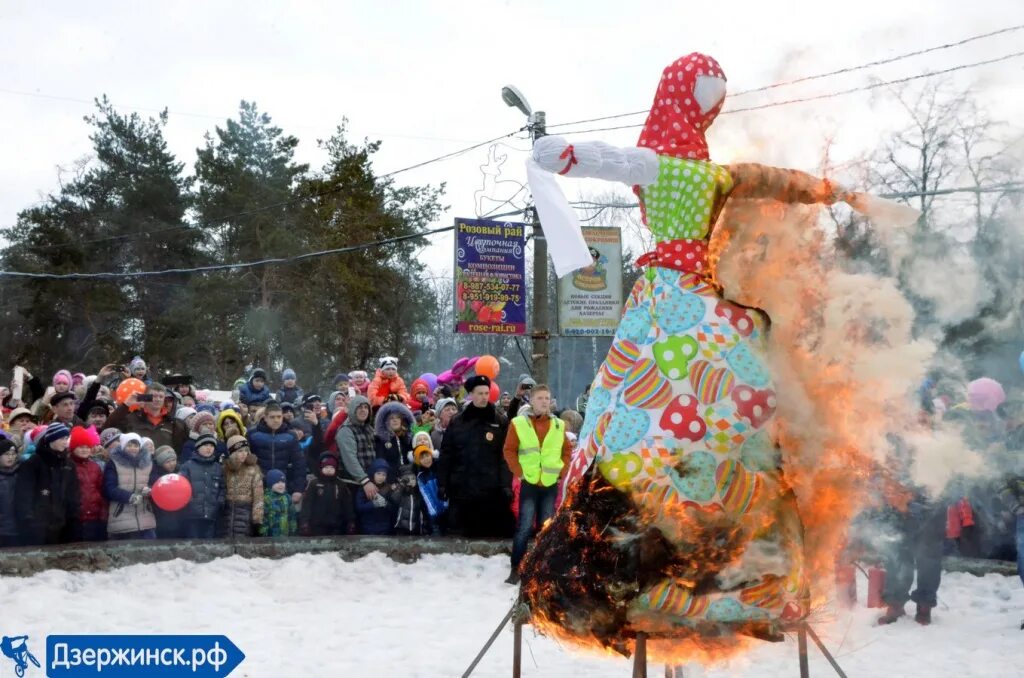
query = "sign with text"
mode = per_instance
[
  {"x": 490, "y": 277},
  {"x": 590, "y": 299}
]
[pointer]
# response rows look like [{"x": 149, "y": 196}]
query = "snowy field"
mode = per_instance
[{"x": 319, "y": 616}]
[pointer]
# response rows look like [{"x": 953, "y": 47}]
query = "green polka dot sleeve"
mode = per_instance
[{"x": 680, "y": 201}]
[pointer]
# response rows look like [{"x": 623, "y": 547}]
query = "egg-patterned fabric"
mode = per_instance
[{"x": 679, "y": 417}]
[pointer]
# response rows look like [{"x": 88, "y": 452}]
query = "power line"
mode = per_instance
[
  {"x": 828, "y": 95},
  {"x": 265, "y": 208},
  {"x": 1006, "y": 188},
  {"x": 1012, "y": 187},
  {"x": 818, "y": 76},
  {"x": 224, "y": 267}
]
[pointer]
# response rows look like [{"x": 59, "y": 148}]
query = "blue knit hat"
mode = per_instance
[
  {"x": 288, "y": 374},
  {"x": 274, "y": 476},
  {"x": 55, "y": 431}
]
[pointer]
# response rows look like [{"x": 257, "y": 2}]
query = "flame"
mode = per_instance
[{"x": 843, "y": 361}]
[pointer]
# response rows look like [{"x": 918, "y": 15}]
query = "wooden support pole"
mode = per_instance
[
  {"x": 517, "y": 649},
  {"x": 640, "y": 656},
  {"x": 801, "y": 637},
  {"x": 825, "y": 652}
]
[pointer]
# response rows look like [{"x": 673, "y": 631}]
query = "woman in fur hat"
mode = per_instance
[{"x": 391, "y": 433}]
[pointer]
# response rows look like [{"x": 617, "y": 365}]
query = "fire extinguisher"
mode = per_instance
[
  {"x": 876, "y": 586},
  {"x": 846, "y": 585}
]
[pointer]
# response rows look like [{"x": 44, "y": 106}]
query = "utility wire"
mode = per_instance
[
  {"x": 828, "y": 95},
  {"x": 1009, "y": 187},
  {"x": 1012, "y": 187},
  {"x": 272, "y": 206},
  {"x": 809, "y": 78}
]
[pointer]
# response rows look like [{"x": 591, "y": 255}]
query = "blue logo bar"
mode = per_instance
[{"x": 163, "y": 656}]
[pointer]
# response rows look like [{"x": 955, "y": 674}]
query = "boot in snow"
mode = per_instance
[
  {"x": 513, "y": 578},
  {"x": 892, "y": 613},
  {"x": 924, "y": 614}
]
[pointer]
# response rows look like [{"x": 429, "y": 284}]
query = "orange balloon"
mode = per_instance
[
  {"x": 127, "y": 388},
  {"x": 495, "y": 393},
  {"x": 488, "y": 366}
]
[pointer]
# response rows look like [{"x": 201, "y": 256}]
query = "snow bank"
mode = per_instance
[{"x": 316, "y": 615}]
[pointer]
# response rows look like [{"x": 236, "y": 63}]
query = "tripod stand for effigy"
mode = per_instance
[{"x": 519, "y": 614}]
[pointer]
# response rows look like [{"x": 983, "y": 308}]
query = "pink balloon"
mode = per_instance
[
  {"x": 446, "y": 377},
  {"x": 985, "y": 394},
  {"x": 172, "y": 492},
  {"x": 460, "y": 366}
]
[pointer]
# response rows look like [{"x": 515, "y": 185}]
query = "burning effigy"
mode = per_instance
[{"x": 708, "y": 496}]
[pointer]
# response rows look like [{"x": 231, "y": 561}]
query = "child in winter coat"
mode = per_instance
[
  {"x": 434, "y": 509},
  {"x": 91, "y": 524},
  {"x": 377, "y": 515},
  {"x": 290, "y": 391},
  {"x": 391, "y": 433},
  {"x": 255, "y": 391},
  {"x": 206, "y": 475},
  {"x": 409, "y": 514},
  {"x": 326, "y": 503},
  {"x": 280, "y": 519},
  {"x": 387, "y": 385},
  {"x": 126, "y": 486},
  {"x": 168, "y": 523},
  {"x": 8, "y": 476},
  {"x": 243, "y": 513}
]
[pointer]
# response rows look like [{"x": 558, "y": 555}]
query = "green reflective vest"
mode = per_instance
[{"x": 541, "y": 463}]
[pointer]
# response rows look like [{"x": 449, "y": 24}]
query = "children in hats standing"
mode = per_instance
[
  {"x": 168, "y": 523},
  {"x": 326, "y": 503},
  {"x": 243, "y": 480},
  {"x": 387, "y": 385},
  {"x": 280, "y": 519},
  {"x": 424, "y": 455},
  {"x": 91, "y": 524},
  {"x": 409, "y": 519},
  {"x": 290, "y": 391},
  {"x": 377, "y": 515},
  {"x": 206, "y": 475}
]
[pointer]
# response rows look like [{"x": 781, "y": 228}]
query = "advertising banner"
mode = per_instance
[{"x": 490, "y": 277}]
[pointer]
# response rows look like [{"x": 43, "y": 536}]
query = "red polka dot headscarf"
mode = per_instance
[{"x": 676, "y": 125}]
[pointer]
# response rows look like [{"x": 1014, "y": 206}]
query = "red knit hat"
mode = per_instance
[{"x": 84, "y": 437}]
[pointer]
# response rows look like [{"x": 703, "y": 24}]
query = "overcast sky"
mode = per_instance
[{"x": 425, "y": 77}]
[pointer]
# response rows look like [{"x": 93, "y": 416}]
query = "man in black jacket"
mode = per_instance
[
  {"x": 471, "y": 469},
  {"x": 46, "y": 493}
]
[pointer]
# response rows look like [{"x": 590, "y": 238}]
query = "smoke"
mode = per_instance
[{"x": 846, "y": 365}]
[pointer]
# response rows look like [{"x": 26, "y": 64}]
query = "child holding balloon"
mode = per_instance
[
  {"x": 206, "y": 475},
  {"x": 168, "y": 523}
]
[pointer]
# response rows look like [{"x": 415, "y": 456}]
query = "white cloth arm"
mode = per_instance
[{"x": 633, "y": 165}]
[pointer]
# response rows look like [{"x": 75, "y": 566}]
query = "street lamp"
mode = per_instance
[{"x": 536, "y": 123}]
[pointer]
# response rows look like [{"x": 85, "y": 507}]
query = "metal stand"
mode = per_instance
[
  {"x": 518, "y": 617},
  {"x": 640, "y": 656},
  {"x": 801, "y": 641}
]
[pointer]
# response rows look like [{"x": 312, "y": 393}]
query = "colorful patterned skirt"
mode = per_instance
[{"x": 678, "y": 422}]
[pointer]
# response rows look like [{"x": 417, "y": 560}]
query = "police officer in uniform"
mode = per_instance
[{"x": 471, "y": 472}]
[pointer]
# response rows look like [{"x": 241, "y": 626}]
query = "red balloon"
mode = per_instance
[
  {"x": 172, "y": 492},
  {"x": 495, "y": 393},
  {"x": 488, "y": 366}
]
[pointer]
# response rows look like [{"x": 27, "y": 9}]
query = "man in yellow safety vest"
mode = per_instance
[{"x": 537, "y": 451}]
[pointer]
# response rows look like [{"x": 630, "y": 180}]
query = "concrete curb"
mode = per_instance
[{"x": 23, "y": 562}]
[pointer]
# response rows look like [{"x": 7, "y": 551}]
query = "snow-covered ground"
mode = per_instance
[{"x": 319, "y": 616}]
